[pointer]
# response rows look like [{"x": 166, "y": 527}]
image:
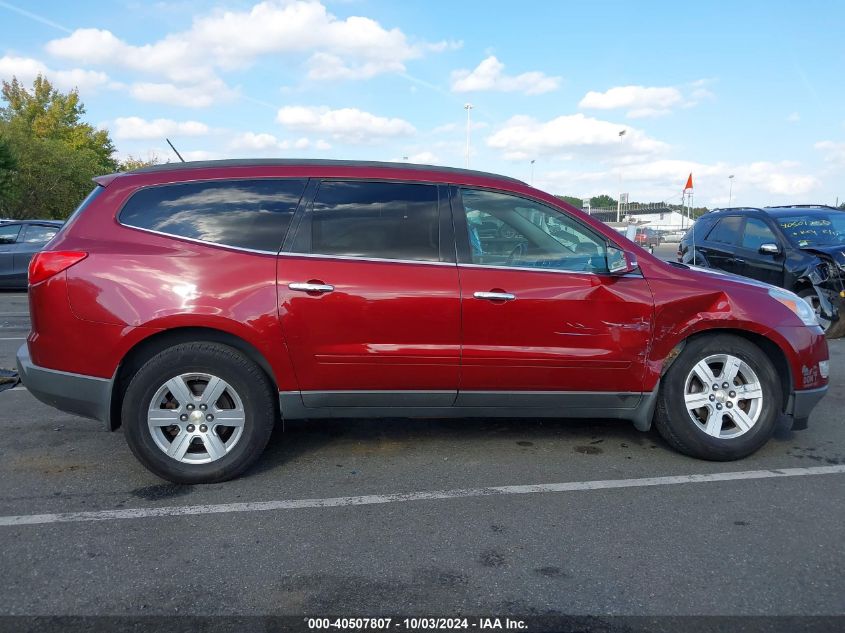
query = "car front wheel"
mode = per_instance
[
  {"x": 198, "y": 413},
  {"x": 720, "y": 399}
]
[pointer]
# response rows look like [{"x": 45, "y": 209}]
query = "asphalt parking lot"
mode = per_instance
[{"x": 367, "y": 543}]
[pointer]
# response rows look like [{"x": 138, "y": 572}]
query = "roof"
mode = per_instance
[
  {"x": 789, "y": 209},
  {"x": 293, "y": 162}
]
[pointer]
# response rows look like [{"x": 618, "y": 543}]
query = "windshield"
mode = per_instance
[{"x": 815, "y": 229}]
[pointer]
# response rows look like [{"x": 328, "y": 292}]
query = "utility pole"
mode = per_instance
[
  {"x": 730, "y": 189},
  {"x": 468, "y": 107},
  {"x": 619, "y": 202}
]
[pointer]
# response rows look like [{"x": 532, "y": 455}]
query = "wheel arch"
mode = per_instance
[
  {"x": 771, "y": 349},
  {"x": 148, "y": 347}
]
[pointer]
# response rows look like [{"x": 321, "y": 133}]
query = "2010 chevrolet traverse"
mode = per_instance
[{"x": 196, "y": 304}]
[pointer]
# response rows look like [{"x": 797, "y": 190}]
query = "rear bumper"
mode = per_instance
[
  {"x": 801, "y": 403},
  {"x": 87, "y": 396}
]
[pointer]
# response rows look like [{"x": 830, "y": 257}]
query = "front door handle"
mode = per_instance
[
  {"x": 307, "y": 286},
  {"x": 739, "y": 260},
  {"x": 495, "y": 296}
]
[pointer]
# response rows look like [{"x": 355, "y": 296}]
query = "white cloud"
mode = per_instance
[
  {"x": 422, "y": 158},
  {"x": 833, "y": 152},
  {"x": 264, "y": 144},
  {"x": 641, "y": 101},
  {"x": 346, "y": 124},
  {"x": 187, "y": 95},
  {"x": 795, "y": 117},
  {"x": 459, "y": 127},
  {"x": 26, "y": 69},
  {"x": 222, "y": 40},
  {"x": 136, "y": 128},
  {"x": 566, "y": 136},
  {"x": 490, "y": 75}
]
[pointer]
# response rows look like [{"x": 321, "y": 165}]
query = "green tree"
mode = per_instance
[
  {"x": 56, "y": 154},
  {"x": 7, "y": 170},
  {"x": 130, "y": 163},
  {"x": 575, "y": 202},
  {"x": 603, "y": 201}
]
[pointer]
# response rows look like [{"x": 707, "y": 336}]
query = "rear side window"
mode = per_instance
[
  {"x": 726, "y": 230},
  {"x": 39, "y": 234},
  {"x": 253, "y": 214},
  {"x": 9, "y": 233},
  {"x": 372, "y": 219}
]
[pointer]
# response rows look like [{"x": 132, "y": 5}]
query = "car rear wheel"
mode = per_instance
[
  {"x": 198, "y": 413},
  {"x": 720, "y": 399}
]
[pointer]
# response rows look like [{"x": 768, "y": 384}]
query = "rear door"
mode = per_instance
[
  {"x": 767, "y": 267},
  {"x": 544, "y": 324},
  {"x": 719, "y": 245},
  {"x": 369, "y": 298},
  {"x": 32, "y": 240},
  {"x": 9, "y": 234}
]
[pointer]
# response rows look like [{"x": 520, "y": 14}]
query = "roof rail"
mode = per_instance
[
  {"x": 312, "y": 162},
  {"x": 803, "y": 206},
  {"x": 723, "y": 209}
]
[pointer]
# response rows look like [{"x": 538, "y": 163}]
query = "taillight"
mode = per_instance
[{"x": 48, "y": 263}]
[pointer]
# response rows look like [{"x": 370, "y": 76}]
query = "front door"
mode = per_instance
[
  {"x": 369, "y": 301},
  {"x": 544, "y": 324}
]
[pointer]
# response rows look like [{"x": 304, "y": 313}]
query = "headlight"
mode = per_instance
[{"x": 795, "y": 303}]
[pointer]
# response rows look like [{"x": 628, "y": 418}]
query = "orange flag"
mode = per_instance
[{"x": 689, "y": 183}]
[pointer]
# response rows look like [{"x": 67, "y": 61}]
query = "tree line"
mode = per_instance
[{"x": 48, "y": 153}]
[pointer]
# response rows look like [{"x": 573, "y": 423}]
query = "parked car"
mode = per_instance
[
  {"x": 800, "y": 248},
  {"x": 647, "y": 238},
  {"x": 197, "y": 304},
  {"x": 19, "y": 241}
]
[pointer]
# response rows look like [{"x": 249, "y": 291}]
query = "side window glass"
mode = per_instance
[
  {"x": 377, "y": 220},
  {"x": 726, "y": 230},
  {"x": 756, "y": 234},
  {"x": 9, "y": 233},
  {"x": 253, "y": 214},
  {"x": 506, "y": 230},
  {"x": 39, "y": 234}
]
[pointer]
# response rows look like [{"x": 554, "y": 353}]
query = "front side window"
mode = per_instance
[
  {"x": 9, "y": 233},
  {"x": 253, "y": 214},
  {"x": 36, "y": 234},
  {"x": 756, "y": 234},
  {"x": 506, "y": 230},
  {"x": 378, "y": 220}
]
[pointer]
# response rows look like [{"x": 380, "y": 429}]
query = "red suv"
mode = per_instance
[{"x": 197, "y": 304}]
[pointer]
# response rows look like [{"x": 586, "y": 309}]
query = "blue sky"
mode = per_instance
[{"x": 750, "y": 89}]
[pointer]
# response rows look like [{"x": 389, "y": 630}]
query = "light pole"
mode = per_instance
[
  {"x": 532, "y": 171},
  {"x": 619, "y": 202},
  {"x": 468, "y": 107},
  {"x": 730, "y": 189}
]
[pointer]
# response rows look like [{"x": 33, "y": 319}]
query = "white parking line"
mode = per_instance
[
  {"x": 297, "y": 504},
  {"x": 14, "y": 314},
  {"x": 14, "y": 338}
]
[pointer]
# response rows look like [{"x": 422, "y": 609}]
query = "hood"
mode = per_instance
[
  {"x": 745, "y": 281},
  {"x": 834, "y": 251}
]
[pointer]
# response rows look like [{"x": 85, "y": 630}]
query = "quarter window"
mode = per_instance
[
  {"x": 756, "y": 234},
  {"x": 253, "y": 214},
  {"x": 505, "y": 230},
  {"x": 372, "y": 219}
]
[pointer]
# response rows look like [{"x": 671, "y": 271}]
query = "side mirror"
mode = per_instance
[
  {"x": 620, "y": 262},
  {"x": 770, "y": 248}
]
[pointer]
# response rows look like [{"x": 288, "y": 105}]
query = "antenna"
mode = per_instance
[{"x": 174, "y": 149}]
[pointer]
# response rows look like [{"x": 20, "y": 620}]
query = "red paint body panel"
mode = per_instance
[
  {"x": 388, "y": 326},
  {"x": 563, "y": 332}
]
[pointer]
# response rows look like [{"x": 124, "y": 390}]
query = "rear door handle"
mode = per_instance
[
  {"x": 307, "y": 286},
  {"x": 739, "y": 260},
  {"x": 495, "y": 296}
]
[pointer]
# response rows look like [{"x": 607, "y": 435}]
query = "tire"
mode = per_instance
[
  {"x": 834, "y": 329},
  {"x": 721, "y": 434},
  {"x": 187, "y": 423}
]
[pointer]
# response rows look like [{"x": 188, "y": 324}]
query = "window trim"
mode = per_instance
[
  {"x": 445, "y": 232},
  {"x": 194, "y": 240},
  {"x": 463, "y": 247}
]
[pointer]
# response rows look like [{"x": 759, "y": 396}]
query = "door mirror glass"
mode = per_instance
[
  {"x": 620, "y": 262},
  {"x": 770, "y": 248}
]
